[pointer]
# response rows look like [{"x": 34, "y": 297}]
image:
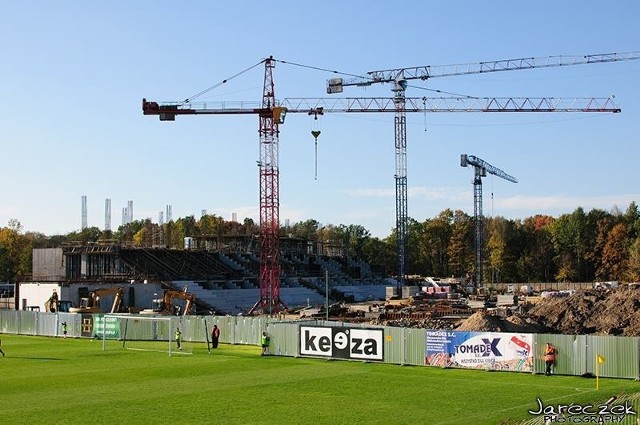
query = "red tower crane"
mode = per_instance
[
  {"x": 399, "y": 77},
  {"x": 272, "y": 113}
]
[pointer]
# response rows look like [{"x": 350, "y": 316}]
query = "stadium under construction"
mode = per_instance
[{"x": 221, "y": 274}]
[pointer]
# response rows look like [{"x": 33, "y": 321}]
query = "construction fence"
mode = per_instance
[{"x": 606, "y": 356}]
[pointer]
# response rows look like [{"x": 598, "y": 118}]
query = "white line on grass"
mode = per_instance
[{"x": 522, "y": 406}]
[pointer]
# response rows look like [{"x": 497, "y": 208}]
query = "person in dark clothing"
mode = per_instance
[{"x": 215, "y": 336}]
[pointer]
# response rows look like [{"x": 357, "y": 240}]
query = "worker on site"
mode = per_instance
[
  {"x": 215, "y": 336},
  {"x": 264, "y": 343},
  {"x": 178, "y": 336},
  {"x": 549, "y": 358}
]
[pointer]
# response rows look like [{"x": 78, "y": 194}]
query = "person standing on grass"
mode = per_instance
[
  {"x": 264, "y": 342},
  {"x": 178, "y": 335},
  {"x": 215, "y": 336},
  {"x": 1, "y": 348},
  {"x": 549, "y": 358},
  {"x": 64, "y": 329}
]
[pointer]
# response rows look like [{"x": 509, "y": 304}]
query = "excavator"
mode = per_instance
[
  {"x": 92, "y": 304},
  {"x": 166, "y": 306},
  {"x": 54, "y": 304}
]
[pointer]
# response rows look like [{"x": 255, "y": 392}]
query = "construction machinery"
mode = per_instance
[
  {"x": 167, "y": 306},
  {"x": 272, "y": 113},
  {"x": 91, "y": 304},
  {"x": 54, "y": 304},
  {"x": 481, "y": 168}
]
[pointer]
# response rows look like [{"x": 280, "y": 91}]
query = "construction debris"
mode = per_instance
[{"x": 613, "y": 311}]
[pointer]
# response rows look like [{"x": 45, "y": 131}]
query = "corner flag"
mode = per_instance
[{"x": 599, "y": 360}]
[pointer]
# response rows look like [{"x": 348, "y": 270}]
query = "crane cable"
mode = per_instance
[
  {"x": 332, "y": 71},
  {"x": 315, "y": 132},
  {"x": 189, "y": 99}
]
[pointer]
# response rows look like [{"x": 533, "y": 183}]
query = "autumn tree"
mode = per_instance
[
  {"x": 15, "y": 252},
  {"x": 614, "y": 254},
  {"x": 503, "y": 250}
]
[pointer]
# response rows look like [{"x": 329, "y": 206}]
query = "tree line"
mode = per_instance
[{"x": 582, "y": 246}]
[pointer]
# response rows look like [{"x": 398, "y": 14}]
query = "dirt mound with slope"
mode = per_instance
[
  {"x": 483, "y": 321},
  {"x": 605, "y": 312},
  {"x": 602, "y": 312}
]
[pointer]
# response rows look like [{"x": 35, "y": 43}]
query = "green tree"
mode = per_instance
[
  {"x": 434, "y": 243},
  {"x": 535, "y": 262},
  {"x": 632, "y": 273},
  {"x": 568, "y": 240},
  {"x": 632, "y": 220},
  {"x": 380, "y": 255},
  {"x": 305, "y": 229},
  {"x": 592, "y": 227},
  {"x": 496, "y": 248},
  {"x": 460, "y": 250}
]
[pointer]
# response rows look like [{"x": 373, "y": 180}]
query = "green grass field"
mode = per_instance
[{"x": 72, "y": 381}]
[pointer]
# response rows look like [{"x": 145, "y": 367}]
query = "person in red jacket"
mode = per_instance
[
  {"x": 549, "y": 358},
  {"x": 215, "y": 336}
]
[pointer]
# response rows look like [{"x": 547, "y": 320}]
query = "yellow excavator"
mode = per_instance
[
  {"x": 92, "y": 303},
  {"x": 54, "y": 304},
  {"x": 166, "y": 306}
]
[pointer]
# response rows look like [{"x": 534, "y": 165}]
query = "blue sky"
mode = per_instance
[{"x": 73, "y": 75}]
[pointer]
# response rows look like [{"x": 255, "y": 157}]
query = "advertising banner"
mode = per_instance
[
  {"x": 480, "y": 350},
  {"x": 108, "y": 325},
  {"x": 342, "y": 343}
]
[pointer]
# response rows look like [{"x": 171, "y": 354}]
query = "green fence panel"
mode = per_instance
[
  {"x": 27, "y": 322},
  {"x": 566, "y": 353},
  {"x": 284, "y": 338},
  {"x": 619, "y": 356},
  {"x": 580, "y": 355},
  {"x": 395, "y": 345},
  {"x": 9, "y": 322},
  {"x": 416, "y": 345}
]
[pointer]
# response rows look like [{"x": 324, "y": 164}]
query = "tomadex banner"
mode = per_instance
[
  {"x": 342, "y": 342},
  {"x": 480, "y": 350}
]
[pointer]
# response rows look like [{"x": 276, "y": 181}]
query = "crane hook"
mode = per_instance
[{"x": 315, "y": 134}]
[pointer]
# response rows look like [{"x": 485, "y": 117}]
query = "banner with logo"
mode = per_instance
[
  {"x": 106, "y": 325},
  {"x": 480, "y": 350},
  {"x": 342, "y": 342}
]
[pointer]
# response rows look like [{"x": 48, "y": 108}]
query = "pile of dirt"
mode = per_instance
[
  {"x": 483, "y": 321},
  {"x": 604, "y": 312},
  {"x": 613, "y": 311}
]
